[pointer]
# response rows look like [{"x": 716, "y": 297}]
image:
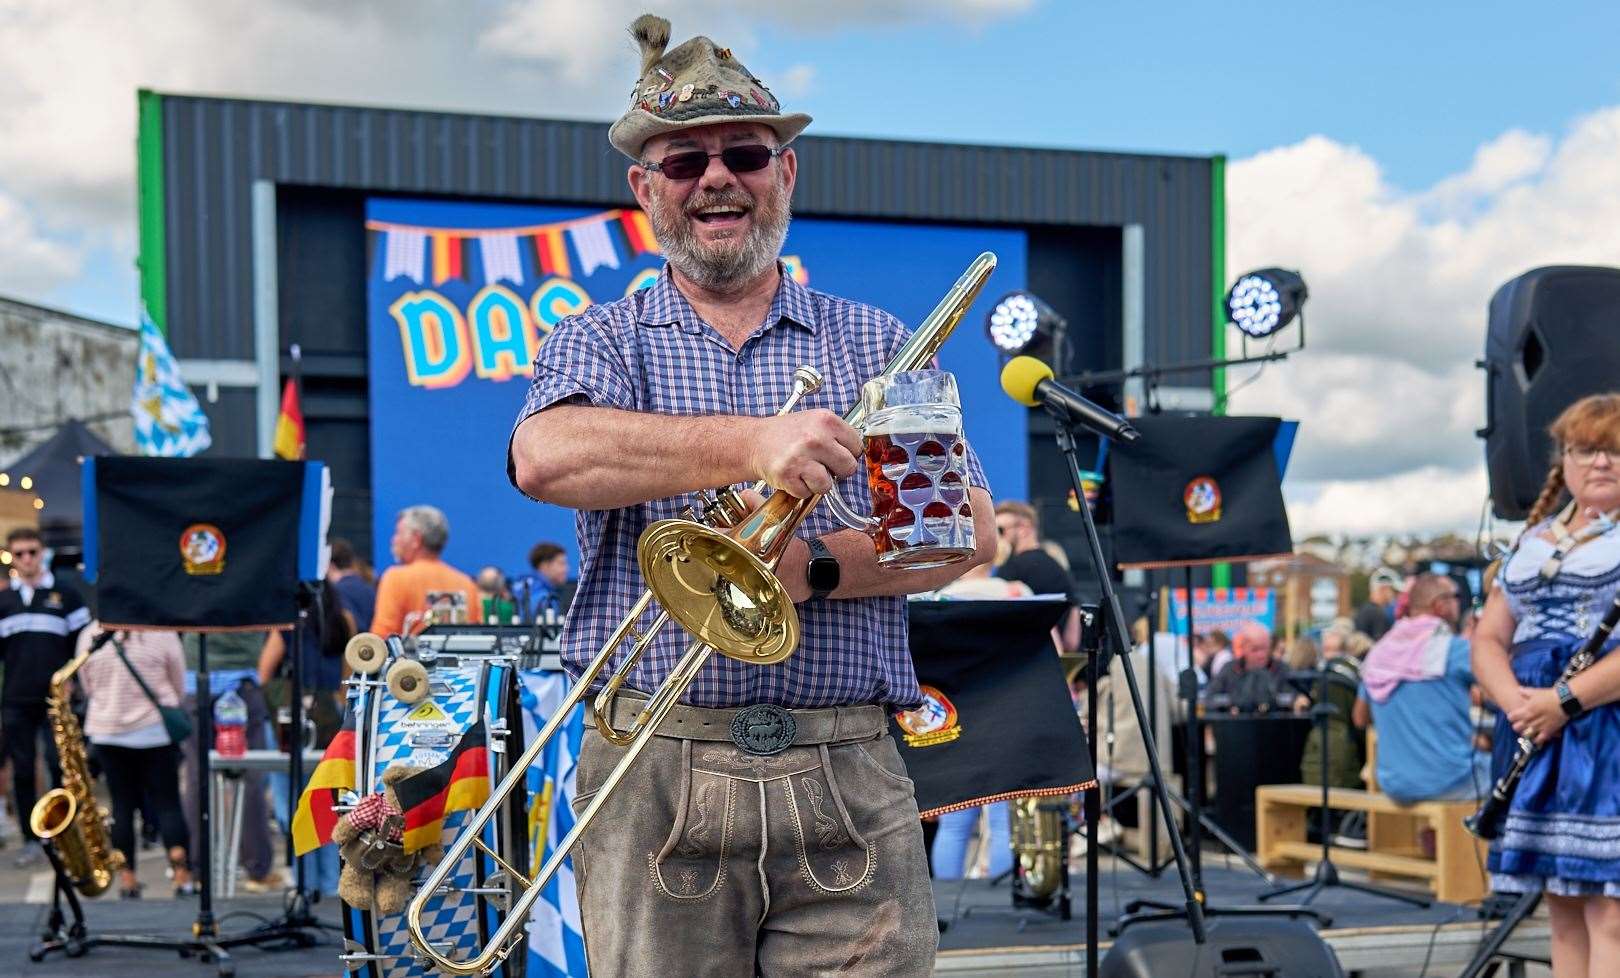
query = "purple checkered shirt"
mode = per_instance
[{"x": 651, "y": 352}]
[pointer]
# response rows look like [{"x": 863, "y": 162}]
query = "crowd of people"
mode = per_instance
[{"x": 146, "y": 763}]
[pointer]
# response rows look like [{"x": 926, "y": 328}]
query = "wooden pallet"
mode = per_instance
[{"x": 1455, "y": 873}]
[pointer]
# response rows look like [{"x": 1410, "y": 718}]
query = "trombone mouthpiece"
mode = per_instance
[{"x": 807, "y": 379}]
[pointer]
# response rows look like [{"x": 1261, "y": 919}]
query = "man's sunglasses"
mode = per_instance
[
  {"x": 691, "y": 165},
  {"x": 19, "y": 552}
]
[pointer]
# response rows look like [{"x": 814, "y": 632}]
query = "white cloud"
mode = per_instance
[
  {"x": 1421, "y": 501},
  {"x": 31, "y": 264},
  {"x": 67, "y": 92},
  {"x": 798, "y": 79},
  {"x": 1399, "y": 284}
]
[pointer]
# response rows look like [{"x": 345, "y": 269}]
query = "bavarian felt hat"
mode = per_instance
[{"x": 697, "y": 84}]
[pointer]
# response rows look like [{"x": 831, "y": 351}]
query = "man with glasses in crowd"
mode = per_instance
[
  {"x": 1416, "y": 689},
  {"x": 732, "y": 847},
  {"x": 39, "y": 624}
]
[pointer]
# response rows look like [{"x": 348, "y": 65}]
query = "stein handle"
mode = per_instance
[{"x": 842, "y": 512}]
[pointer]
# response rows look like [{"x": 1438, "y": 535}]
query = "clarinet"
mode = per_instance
[{"x": 1487, "y": 822}]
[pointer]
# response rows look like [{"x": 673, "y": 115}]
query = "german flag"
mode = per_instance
[
  {"x": 313, "y": 821},
  {"x": 460, "y": 782}
]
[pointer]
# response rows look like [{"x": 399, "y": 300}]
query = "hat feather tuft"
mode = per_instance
[{"x": 652, "y": 33}]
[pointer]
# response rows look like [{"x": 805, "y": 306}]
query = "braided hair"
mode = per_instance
[{"x": 1552, "y": 493}]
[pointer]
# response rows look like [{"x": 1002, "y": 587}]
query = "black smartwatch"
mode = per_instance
[
  {"x": 1566, "y": 699},
  {"x": 823, "y": 571}
]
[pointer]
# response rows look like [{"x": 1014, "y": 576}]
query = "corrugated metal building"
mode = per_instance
[{"x": 252, "y": 239}]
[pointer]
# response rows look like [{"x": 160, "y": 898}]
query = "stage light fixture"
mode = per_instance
[
  {"x": 1020, "y": 323},
  {"x": 1264, "y": 301}
]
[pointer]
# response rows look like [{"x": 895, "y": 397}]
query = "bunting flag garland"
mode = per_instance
[
  {"x": 594, "y": 246},
  {"x": 459, "y": 782},
  {"x": 552, "y": 253},
  {"x": 638, "y": 231},
  {"x": 313, "y": 821},
  {"x": 403, "y": 253},
  {"x": 501, "y": 262},
  {"x": 428, "y": 255},
  {"x": 450, "y": 257}
]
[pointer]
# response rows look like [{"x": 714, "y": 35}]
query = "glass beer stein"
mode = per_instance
[{"x": 916, "y": 468}]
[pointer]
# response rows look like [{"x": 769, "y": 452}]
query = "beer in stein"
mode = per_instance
[{"x": 916, "y": 469}]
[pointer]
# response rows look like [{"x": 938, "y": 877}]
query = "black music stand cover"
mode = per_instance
[
  {"x": 1198, "y": 490},
  {"x": 196, "y": 544},
  {"x": 999, "y": 722}
]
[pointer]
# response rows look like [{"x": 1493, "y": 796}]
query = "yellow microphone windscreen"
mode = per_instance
[{"x": 1021, "y": 376}]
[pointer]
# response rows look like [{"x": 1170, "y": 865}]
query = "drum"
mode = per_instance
[{"x": 422, "y": 733}]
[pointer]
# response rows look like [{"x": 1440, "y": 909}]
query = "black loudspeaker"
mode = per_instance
[
  {"x": 1554, "y": 338},
  {"x": 1253, "y": 947}
]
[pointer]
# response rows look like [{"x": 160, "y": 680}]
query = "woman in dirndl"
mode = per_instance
[{"x": 1562, "y": 832}]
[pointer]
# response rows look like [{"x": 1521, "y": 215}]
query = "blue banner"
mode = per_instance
[
  {"x": 461, "y": 295},
  {"x": 1227, "y": 609}
]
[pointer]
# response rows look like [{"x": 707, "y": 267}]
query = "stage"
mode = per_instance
[
  {"x": 985, "y": 938},
  {"x": 21, "y": 923}
]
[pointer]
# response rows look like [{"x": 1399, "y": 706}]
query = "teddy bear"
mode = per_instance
[{"x": 377, "y": 872}]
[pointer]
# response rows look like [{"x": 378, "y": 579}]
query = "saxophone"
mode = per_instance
[{"x": 67, "y": 818}]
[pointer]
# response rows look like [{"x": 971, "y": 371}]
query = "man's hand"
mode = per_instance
[{"x": 805, "y": 452}]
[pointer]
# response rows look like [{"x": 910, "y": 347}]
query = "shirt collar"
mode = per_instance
[
  {"x": 664, "y": 305},
  {"x": 46, "y": 582}
]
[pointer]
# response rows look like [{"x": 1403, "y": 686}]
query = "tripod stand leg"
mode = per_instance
[{"x": 1485, "y": 957}]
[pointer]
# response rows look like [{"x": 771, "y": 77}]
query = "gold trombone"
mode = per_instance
[{"x": 714, "y": 575}]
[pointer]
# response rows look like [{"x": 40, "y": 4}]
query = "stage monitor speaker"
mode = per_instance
[
  {"x": 1553, "y": 338},
  {"x": 1254, "y": 947}
]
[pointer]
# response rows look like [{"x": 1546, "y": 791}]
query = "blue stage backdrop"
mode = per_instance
[{"x": 462, "y": 294}]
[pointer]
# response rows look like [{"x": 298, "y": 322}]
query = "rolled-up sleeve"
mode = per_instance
[{"x": 579, "y": 363}]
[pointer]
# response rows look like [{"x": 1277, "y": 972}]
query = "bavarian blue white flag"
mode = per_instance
[
  {"x": 168, "y": 419},
  {"x": 556, "y": 939}
]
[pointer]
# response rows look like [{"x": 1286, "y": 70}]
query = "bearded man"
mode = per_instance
[{"x": 786, "y": 843}]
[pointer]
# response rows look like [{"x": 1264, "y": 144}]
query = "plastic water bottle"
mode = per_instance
[{"x": 230, "y": 725}]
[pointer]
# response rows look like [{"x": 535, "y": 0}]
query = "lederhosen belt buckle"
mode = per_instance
[{"x": 763, "y": 729}]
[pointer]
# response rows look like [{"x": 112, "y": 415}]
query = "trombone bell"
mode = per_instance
[{"x": 721, "y": 593}]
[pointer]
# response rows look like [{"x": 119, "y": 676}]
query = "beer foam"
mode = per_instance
[{"x": 914, "y": 421}]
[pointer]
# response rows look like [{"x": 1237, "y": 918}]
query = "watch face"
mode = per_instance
[{"x": 823, "y": 574}]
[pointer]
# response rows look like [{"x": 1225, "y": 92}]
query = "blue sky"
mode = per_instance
[{"x": 1416, "y": 85}]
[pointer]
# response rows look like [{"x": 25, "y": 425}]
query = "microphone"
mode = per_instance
[{"x": 1029, "y": 382}]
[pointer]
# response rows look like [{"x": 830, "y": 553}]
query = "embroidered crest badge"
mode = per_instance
[
  {"x": 202, "y": 549},
  {"x": 932, "y": 723},
  {"x": 1202, "y": 498}
]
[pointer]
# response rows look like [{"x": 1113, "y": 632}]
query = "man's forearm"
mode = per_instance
[
  {"x": 860, "y": 575},
  {"x": 603, "y": 458}
]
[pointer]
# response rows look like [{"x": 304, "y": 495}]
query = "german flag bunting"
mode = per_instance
[
  {"x": 460, "y": 782},
  {"x": 313, "y": 821},
  {"x": 552, "y": 252},
  {"x": 638, "y": 232}
]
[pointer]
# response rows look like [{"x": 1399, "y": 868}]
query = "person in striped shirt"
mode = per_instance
[{"x": 39, "y": 623}]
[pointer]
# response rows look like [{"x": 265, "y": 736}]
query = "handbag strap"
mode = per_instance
[{"x": 119, "y": 648}]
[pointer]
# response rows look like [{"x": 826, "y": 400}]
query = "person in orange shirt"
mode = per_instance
[{"x": 420, "y": 533}]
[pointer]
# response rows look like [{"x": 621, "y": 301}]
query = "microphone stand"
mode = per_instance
[{"x": 1115, "y": 626}]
